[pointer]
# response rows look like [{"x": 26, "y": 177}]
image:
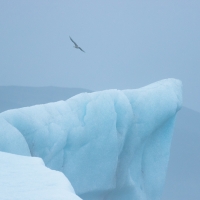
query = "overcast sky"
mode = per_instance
[{"x": 128, "y": 44}]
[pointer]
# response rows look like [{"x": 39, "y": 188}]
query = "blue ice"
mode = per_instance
[{"x": 110, "y": 145}]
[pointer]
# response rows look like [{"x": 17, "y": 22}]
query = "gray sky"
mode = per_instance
[{"x": 128, "y": 44}]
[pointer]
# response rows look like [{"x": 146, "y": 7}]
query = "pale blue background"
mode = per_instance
[{"x": 128, "y": 44}]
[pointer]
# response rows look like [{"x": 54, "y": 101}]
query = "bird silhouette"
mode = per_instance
[{"x": 76, "y": 46}]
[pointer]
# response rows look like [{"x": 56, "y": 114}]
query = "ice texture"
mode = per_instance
[
  {"x": 23, "y": 177},
  {"x": 110, "y": 145}
]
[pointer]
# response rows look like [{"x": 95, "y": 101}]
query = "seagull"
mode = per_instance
[{"x": 76, "y": 46}]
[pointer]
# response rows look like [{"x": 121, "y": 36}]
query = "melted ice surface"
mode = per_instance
[{"x": 110, "y": 144}]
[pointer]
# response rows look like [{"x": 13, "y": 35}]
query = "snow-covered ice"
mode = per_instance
[
  {"x": 110, "y": 145},
  {"x": 23, "y": 177}
]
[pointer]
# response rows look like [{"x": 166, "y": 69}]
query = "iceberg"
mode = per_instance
[{"x": 110, "y": 144}]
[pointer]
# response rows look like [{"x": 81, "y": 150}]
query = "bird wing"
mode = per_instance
[
  {"x": 81, "y": 49},
  {"x": 73, "y": 41}
]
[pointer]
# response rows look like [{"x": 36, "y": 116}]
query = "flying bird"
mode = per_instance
[{"x": 76, "y": 46}]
